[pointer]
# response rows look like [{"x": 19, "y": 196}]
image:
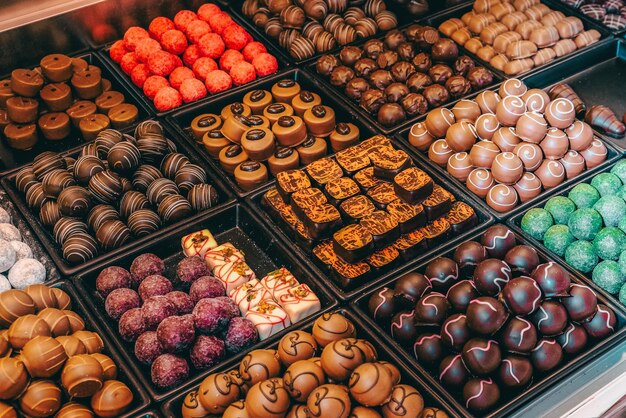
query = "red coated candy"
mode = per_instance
[
  {"x": 162, "y": 63},
  {"x": 129, "y": 61},
  {"x": 174, "y": 41},
  {"x": 159, "y": 26},
  {"x": 265, "y": 64},
  {"x": 204, "y": 66},
  {"x": 145, "y": 48},
  {"x": 179, "y": 75},
  {"x": 207, "y": 10},
  {"x": 139, "y": 75},
  {"x": 196, "y": 30},
  {"x": 118, "y": 50},
  {"x": 184, "y": 18},
  {"x": 191, "y": 54},
  {"x": 252, "y": 50},
  {"x": 220, "y": 21},
  {"x": 192, "y": 89},
  {"x": 230, "y": 58},
  {"x": 167, "y": 98},
  {"x": 217, "y": 81},
  {"x": 242, "y": 72},
  {"x": 236, "y": 37},
  {"x": 211, "y": 45},
  {"x": 153, "y": 84},
  {"x": 133, "y": 35}
]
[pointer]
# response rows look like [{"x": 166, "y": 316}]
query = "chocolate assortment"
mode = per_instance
[
  {"x": 51, "y": 363},
  {"x": 59, "y": 98},
  {"x": 114, "y": 191},
  {"x": 307, "y": 28},
  {"x": 325, "y": 372},
  {"x": 586, "y": 229},
  {"x": 491, "y": 319},
  {"x": 365, "y": 209},
  {"x": 404, "y": 74},
  {"x": 611, "y": 13},
  {"x": 272, "y": 131},
  {"x": 515, "y": 37},
  {"x": 509, "y": 145}
]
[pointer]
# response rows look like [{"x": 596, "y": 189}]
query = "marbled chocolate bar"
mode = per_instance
[
  {"x": 321, "y": 221},
  {"x": 461, "y": 217},
  {"x": 352, "y": 160},
  {"x": 273, "y": 201},
  {"x": 341, "y": 189},
  {"x": 436, "y": 232},
  {"x": 388, "y": 162},
  {"x": 353, "y": 243},
  {"x": 356, "y": 207},
  {"x": 304, "y": 239},
  {"x": 383, "y": 227},
  {"x": 324, "y": 170},
  {"x": 408, "y": 216},
  {"x": 382, "y": 195},
  {"x": 366, "y": 179},
  {"x": 307, "y": 198},
  {"x": 372, "y": 142},
  {"x": 350, "y": 275},
  {"x": 413, "y": 185},
  {"x": 324, "y": 255},
  {"x": 290, "y": 181},
  {"x": 411, "y": 245},
  {"x": 383, "y": 258},
  {"x": 437, "y": 204}
]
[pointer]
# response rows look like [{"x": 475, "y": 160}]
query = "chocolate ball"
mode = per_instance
[
  {"x": 530, "y": 154},
  {"x": 328, "y": 400},
  {"x": 546, "y": 355},
  {"x": 528, "y": 187},
  {"x": 340, "y": 76},
  {"x": 259, "y": 365},
  {"x": 455, "y": 332},
  {"x": 436, "y": 95},
  {"x": 301, "y": 378},
  {"x": 452, "y": 371},
  {"x": 431, "y": 309},
  {"x": 82, "y": 376},
  {"x": 483, "y": 153},
  {"x": 371, "y": 384},
  {"x": 296, "y": 345},
  {"x": 467, "y": 256},
  {"x": 553, "y": 279},
  {"x": 403, "y": 398},
  {"x": 479, "y": 181},
  {"x": 491, "y": 275},
  {"x": 422, "y": 62},
  {"x": 444, "y": 50},
  {"x": 412, "y": 286},
  {"x": 217, "y": 391},
  {"x": 522, "y": 295},
  {"x": 515, "y": 371},
  {"x": 480, "y": 77},
  {"x": 522, "y": 259},
  {"x": 121, "y": 300},
  {"x": 460, "y": 295},
  {"x": 331, "y": 327},
  {"x": 481, "y": 356},
  {"x": 391, "y": 114},
  {"x": 486, "y": 315},
  {"x": 372, "y": 100},
  {"x": 442, "y": 273},
  {"x": 168, "y": 370},
  {"x": 519, "y": 336},
  {"x": 356, "y": 87},
  {"x": 581, "y": 303},
  {"x": 365, "y": 67},
  {"x": 461, "y": 136},
  {"x": 560, "y": 113},
  {"x": 573, "y": 339},
  {"x": 602, "y": 324},
  {"x": 414, "y": 104},
  {"x": 382, "y": 304},
  {"x": 507, "y": 168},
  {"x": 403, "y": 327},
  {"x": 428, "y": 349},
  {"x": 481, "y": 394},
  {"x": 550, "y": 318}
]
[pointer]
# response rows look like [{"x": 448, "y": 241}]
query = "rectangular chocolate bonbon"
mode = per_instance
[
  {"x": 382, "y": 195},
  {"x": 353, "y": 243},
  {"x": 324, "y": 170},
  {"x": 321, "y": 221},
  {"x": 307, "y": 198},
  {"x": 341, "y": 189},
  {"x": 356, "y": 208},
  {"x": 383, "y": 227},
  {"x": 289, "y": 182},
  {"x": 408, "y": 216},
  {"x": 388, "y": 162},
  {"x": 413, "y": 185},
  {"x": 461, "y": 217},
  {"x": 437, "y": 204}
]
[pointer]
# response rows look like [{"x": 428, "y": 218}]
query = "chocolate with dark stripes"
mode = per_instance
[
  {"x": 408, "y": 216},
  {"x": 324, "y": 170},
  {"x": 461, "y": 217},
  {"x": 341, "y": 189},
  {"x": 321, "y": 221},
  {"x": 290, "y": 181}
]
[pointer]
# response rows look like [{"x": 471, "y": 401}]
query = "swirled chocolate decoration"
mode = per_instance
[
  {"x": 206, "y": 121},
  {"x": 254, "y": 121},
  {"x": 343, "y": 128},
  {"x": 286, "y": 121},
  {"x": 237, "y": 108},
  {"x": 318, "y": 111},
  {"x": 255, "y": 134},
  {"x": 286, "y": 83},
  {"x": 216, "y": 133},
  {"x": 233, "y": 151},
  {"x": 257, "y": 95},
  {"x": 275, "y": 108},
  {"x": 250, "y": 166},
  {"x": 306, "y": 96},
  {"x": 283, "y": 152}
]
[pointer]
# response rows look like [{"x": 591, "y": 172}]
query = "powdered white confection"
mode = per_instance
[
  {"x": 5, "y": 218},
  {"x": 22, "y": 250},
  {"x": 26, "y": 272},
  {"x": 4, "y": 283},
  {"x": 9, "y": 233},
  {"x": 7, "y": 255}
]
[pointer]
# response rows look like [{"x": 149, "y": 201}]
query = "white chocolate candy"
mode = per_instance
[
  {"x": 268, "y": 318},
  {"x": 198, "y": 243},
  {"x": 234, "y": 274},
  {"x": 299, "y": 302},
  {"x": 222, "y": 254},
  {"x": 278, "y": 282},
  {"x": 249, "y": 295}
]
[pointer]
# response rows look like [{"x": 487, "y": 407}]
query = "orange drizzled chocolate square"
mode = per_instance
[
  {"x": 436, "y": 231},
  {"x": 324, "y": 170},
  {"x": 347, "y": 273},
  {"x": 273, "y": 200},
  {"x": 413, "y": 185},
  {"x": 374, "y": 142},
  {"x": 352, "y": 243},
  {"x": 388, "y": 162},
  {"x": 352, "y": 159},
  {"x": 408, "y": 216},
  {"x": 438, "y": 203},
  {"x": 461, "y": 216},
  {"x": 366, "y": 179},
  {"x": 357, "y": 207},
  {"x": 383, "y": 194},
  {"x": 383, "y": 227},
  {"x": 324, "y": 253},
  {"x": 341, "y": 188},
  {"x": 383, "y": 257},
  {"x": 290, "y": 181},
  {"x": 321, "y": 220},
  {"x": 289, "y": 216},
  {"x": 307, "y": 198}
]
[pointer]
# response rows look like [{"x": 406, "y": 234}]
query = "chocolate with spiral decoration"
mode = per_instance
[
  {"x": 74, "y": 202},
  {"x": 112, "y": 234},
  {"x": 144, "y": 176},
  {"x": 79, "y": 248},
  {"x": 565, "y": 91},
  {"x": 189, "y": 175}
]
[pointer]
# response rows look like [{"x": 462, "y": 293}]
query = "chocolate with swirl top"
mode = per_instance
[
  {"x": 413, "y": 185},
  {"x": 352, "y": 243},
  {"x": 290, "y": 181}
]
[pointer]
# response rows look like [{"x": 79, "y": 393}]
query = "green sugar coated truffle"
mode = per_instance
[
  {"x": 581, "y": 256},
  {"x": 560, "y": 207},
  {"x": 622, "y": 262},
  {"x": 622, "y": 224},
  {"x": 585, "y": 223},
  {"x": 609, "y": 243},
  {"x": 608, "y": 276},
  {"x": 606, "y": 184},
  {"x": 622, "y": 295},
  {"x": 536, "y": 222},
  {"x": 621, "y": 192},
  {"x": 557, "y": 238},
  {"x": 611, "y": 208},
  {"x": 584, "y": 195},
  {"x": 619, "y": 169}
]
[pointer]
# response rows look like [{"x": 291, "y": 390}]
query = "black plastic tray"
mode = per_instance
[
  {"x": 498, "y": 77},
  {"x": 11, "y": 158},
  {"x": 56, "y": 252},
  {"x": 484, "y": 219},
  {"x": 612, "y": 155},
  {"x": 235, "y": 224},
  {"x": 510, "y": 403},
  {"x": 515, "y": 221},
  {"x": 148, "y": 414},
  {"x": 172, "y": 407},
  {"x": 125, "y": 78},
  {"x": 595, "y": 75},
  {"x": 182, "y": 119},
  {"x": 125, "y": 375},
  {"x": 439, "y": 18}
]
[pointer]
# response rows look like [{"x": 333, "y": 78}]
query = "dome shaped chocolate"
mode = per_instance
[
  {"x": 486, "y": 315},
  {"x": 553, "y": 279},
  {"x": 522, "y": 295},
  {"x": 491, "y": 275},
  {"x": 498, "y": 240}
]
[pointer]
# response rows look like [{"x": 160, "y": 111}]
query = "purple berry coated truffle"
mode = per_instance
[
  {"x": 176, "y": 333},
  {"x": 169, "y": 370},
  {"x": 112, "y": 278},
  {"x": 154, "y": 285},
  {"x": 147, "y": 347},
  {"x": 206, "y": 287},
  {"x": 207, "y": 351},
  {"x": 190, "y": 269},
  {"x": 241, "y": 334},
  {"x": 121, "y": 300},
  {"x": 230, "y": 306},
  {"x": 211, "y": 315},
  {"x": 131, "y": 324},
  {"x": 156, "y": 309},
  {"x": 181, "y": 300},
  {"x": 146, "y": 265}
]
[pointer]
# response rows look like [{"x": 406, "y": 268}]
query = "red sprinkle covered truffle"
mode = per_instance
[{"x": 217, "y": 81}]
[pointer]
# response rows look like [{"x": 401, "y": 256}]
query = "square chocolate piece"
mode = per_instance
[
  {"x": 383, "y": 258},
  {"x": 382, "y": 195},
  {"x": 366, "y": 179},
  {"x": 299, "y": 303},
  {"x": 436, "y": 232},
  {"x": 289, "y": 217},
  {"x": 411, "y": 245},
  {"x": 350, "y": 275},
  {"x": 248, "y": 295},
  {"x": 352, "y": 160},
  {"x": 303, "y": 238},
  {"x": 234, "y": 274},
  {"x": 324, "y": 170},
  {"x": 222, "y": 254},
  {"x": 307, "y": 198},
  {"x": 341, "y": 189},
  {"x": 321, "y": 221},
  {"x": 324, "y": 256},
  {"x": 437, "y": 204},
  {"x": 353, "y": 243},
  {"x": 413, "y": 185},
  {"x": 290, "y": 181},
  {"x": 388, "y": 162},
  {"x": 374, "y": 142},
  {"x": 279, "y": 281},
  {"x": 409, "y": 217},
  {"x": 383, "y": 227},
  {"x": 273, "y": 201},
  {"x": 268, "y": 318},
  {"x": 461, "y": 217},
  {"x": 356, "y": 207}
]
